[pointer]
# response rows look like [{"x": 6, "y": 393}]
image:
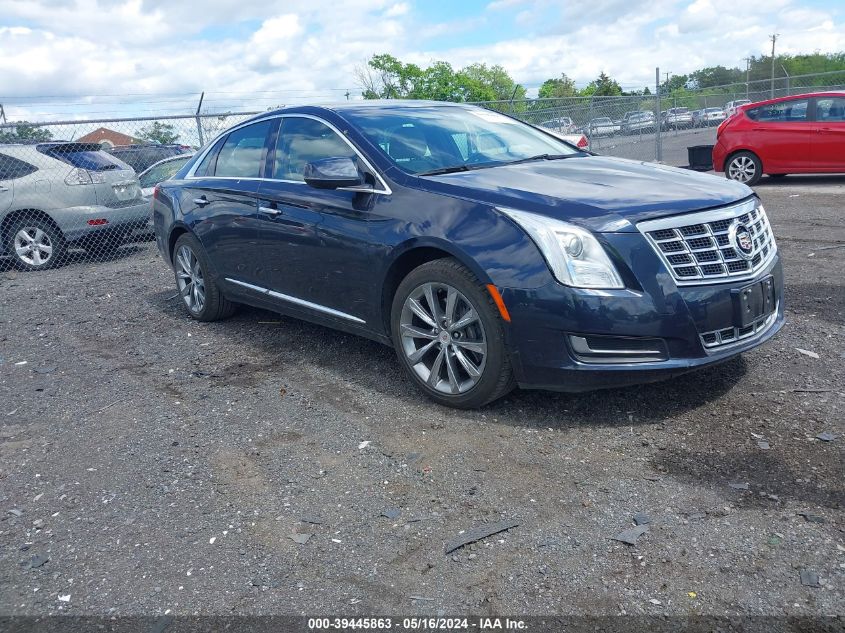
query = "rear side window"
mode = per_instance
[
  {"x": 785, "y": 111},
  {"x": 81, "y": 156},
  {"x": 830, "y": 109},
  {"x": 242, "y": 154},
  {"x": 12, "y": 168}
]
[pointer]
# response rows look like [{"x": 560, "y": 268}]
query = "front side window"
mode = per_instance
[
  {"x": 242, "y": 154},
  {"x": 782, "y": 112},
  {"x": 429, "y": 138},
  {"x": 301, "y": 141},
  {"x": 830, "y": 109}
]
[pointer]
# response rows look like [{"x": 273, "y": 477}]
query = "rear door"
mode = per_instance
[
  {"x": 220, "y": 200},
  {"x": 828, "y": 142},
  {"x": 11, "y": 169},
  {"x": 781, "y": 135}
]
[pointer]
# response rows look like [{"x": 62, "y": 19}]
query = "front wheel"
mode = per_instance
[
  {"x": 449, "y": 336},
  {"x": 744, "y": 167}
]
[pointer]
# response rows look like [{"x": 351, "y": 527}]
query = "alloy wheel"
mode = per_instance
[
  {"x": 443, "y": 338},
  {"x": 33, "y": 246},
  {"x": 742, "y": 168},
  {"x": 190, "y": 279}
]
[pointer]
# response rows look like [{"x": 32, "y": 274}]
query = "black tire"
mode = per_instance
[
  {"x": 744, "y": 167},
  {"x": 496, "y": 376},
  {"x": 44, "y": 230},
  {"x": 214, "y": 305}
]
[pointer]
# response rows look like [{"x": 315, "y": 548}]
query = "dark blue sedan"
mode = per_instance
[{"x": 487, "y": 252}]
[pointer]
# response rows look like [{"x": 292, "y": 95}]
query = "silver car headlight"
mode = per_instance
[{"x": 573, "y": 254}]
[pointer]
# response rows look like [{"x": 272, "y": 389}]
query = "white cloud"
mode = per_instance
[{"x": 235, "y": 50}]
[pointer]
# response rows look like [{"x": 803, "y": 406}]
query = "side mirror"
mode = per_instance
[{"x": 332, "y": 173}]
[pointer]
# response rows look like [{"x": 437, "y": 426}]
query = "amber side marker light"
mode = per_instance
[{"x": 497, "y": 299}]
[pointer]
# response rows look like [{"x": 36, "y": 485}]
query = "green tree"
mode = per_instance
[
  {"x": 158, "y": 132},
  {"x": 558, "y": 87},
  {"x": 602, "y": 86},
  {"x": 24, "y": 131},
  {"x": 386, "y": 77}
]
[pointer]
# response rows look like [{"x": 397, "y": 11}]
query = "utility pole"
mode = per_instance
[
  {"x": 199, "y": 121},
  {"x": 774, "y": 38},
  {"x": 747, "y": 74},
  {"x": 2, "y": 113},
  {"x": 668, "y": 74},
  {"x": 347, "y": 95},
  {"x": 658, "y": 145}
]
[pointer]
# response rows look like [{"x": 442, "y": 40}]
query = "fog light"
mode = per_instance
[{"x": 617, "y": 349}]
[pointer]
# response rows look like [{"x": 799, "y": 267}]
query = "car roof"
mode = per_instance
[{"x": 804, "y": 95}]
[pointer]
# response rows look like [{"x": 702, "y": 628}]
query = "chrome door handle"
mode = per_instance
[
  {"x": 201, "y": 202},
  {"x": 269, "y": 211}
]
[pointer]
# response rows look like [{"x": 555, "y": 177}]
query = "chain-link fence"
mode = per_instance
[
  {"x": 81, "y": 190},
  {"x": 657, "y": 128}
]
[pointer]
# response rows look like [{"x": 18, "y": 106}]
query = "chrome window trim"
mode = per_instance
[
  {"x": 297, "y": 301},
  {"x": 732, "y": 212},
  {"x": 384, "y": 190}
]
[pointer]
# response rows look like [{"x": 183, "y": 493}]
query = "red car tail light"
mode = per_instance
[{"x": 98, "y": 222}]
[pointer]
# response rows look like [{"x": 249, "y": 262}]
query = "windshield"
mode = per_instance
[{"x": 425, "y": 139}]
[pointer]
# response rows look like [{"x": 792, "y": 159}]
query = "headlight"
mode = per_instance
[{"x": 573, "y": 254}]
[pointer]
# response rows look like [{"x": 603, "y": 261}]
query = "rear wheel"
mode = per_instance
[
  {"x": 744, "y": 167},
  {"x": 197, "y": 285},
  {"x": 449, "y": 336},
  {"x": 36, "y": 243}
]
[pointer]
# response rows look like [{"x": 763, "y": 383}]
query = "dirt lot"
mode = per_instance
[{"x": 151, "y": 463}]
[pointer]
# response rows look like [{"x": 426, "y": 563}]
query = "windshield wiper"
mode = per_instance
[
  {"x": 444, "y": 170},
  {"x": 538, "y": 157}
]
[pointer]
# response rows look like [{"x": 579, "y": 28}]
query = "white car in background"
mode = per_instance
[
  {"x": 602, "y": 126},
  {"x": 578, "y": 140},
  {"x": 159, "y": 172},
  {"x": 731, "y": 107},
  {"x": 712, "y": 116}
]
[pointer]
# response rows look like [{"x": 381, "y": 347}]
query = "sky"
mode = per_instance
[{"x": 74, "y": 58}]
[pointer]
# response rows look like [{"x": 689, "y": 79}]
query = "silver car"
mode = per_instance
[
  {"x": 57, "y": 194},
  {"x": 159, "y": 172}
]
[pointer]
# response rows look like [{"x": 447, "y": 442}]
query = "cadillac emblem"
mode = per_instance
[{"x": 740, "y": 238}]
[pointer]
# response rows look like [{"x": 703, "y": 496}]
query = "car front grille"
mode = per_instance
[
  {"x": 712, "y": 341},
  {"x": 701, "y": 247}
]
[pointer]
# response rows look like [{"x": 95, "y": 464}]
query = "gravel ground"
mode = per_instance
[{"x": 264, "y": 465}]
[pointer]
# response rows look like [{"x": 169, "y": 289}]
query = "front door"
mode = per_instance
[
  {"x": 315, "y": 244},
  {"x": 828, "y": 143}
]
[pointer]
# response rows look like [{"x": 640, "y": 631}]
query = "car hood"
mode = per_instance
[{"x": 598, "y": 192}]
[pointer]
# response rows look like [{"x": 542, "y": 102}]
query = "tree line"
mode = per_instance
[{"x": 386, "y": 77}]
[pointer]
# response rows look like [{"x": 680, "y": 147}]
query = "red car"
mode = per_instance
[{"x": 802, "y": 134}]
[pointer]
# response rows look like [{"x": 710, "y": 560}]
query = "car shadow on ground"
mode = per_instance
[
  {"x": 795, "y": 180},
  {"x": 369, "y": 366}
]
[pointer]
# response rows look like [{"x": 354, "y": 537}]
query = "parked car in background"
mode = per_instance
[
  {"x": 677, "y": 118},
  {"x": 639, "y": 122},
  {"x": 711, "y": 116},
  {"x": 602, "y": 126},
  {"x": 799, "y": 134},
  {"x": 159, "y": 172},
  {"x": 563, "y": 124},
  {"x": 578, "y": 139},
  {"x": 732, "y": 107},
  {"x": 53, "y": 195},
  {"x": 486, "y": 252},
  {"x": 140, "y": 157}
]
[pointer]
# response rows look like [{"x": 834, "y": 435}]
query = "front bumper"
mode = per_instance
[
  {"x": 73, "y": 221},
  {"x": 544, "y": 319}
]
